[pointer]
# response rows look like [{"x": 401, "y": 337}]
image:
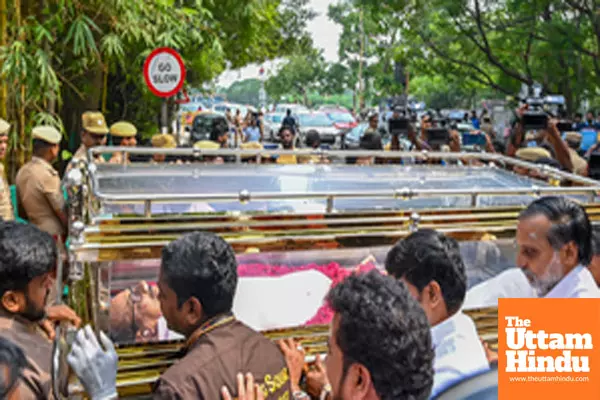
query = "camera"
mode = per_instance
[
  {"x": 541, "y": 109},
  {"x": 437, "y": 137}
]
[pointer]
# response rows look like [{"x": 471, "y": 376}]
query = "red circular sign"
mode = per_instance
[{"x": 164, "y": 72}]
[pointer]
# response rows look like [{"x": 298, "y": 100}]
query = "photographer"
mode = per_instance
[{"x": 550, "y": 139}]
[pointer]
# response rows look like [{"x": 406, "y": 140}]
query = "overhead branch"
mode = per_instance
[{"x": 483, "y": 77}]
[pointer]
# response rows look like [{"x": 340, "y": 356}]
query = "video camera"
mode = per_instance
[
  {"x": 541, "y": 109},
  {"x": 398, "y": 126}
]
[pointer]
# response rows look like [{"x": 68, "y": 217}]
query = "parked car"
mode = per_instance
[
  {"x": 321, "y": 123},
  {"x": 206, "y": 126},
  {"x": 272, "y": 125},
  {"x": 342, "y": 120}
]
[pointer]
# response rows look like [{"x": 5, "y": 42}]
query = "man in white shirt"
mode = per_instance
[
  {"x": 554, "y": 249},
  {"x": 430, "y": 265}
]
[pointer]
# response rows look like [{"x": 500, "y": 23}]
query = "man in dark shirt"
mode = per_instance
[
  {"x": 197, "y": 283},
  {"x": 289, "y": 121}
]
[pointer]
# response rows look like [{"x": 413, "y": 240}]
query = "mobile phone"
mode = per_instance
[
  {"x": 437, "y": 137},
  {"x": 473, "y": 139}
]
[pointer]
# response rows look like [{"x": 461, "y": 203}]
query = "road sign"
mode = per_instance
[{"x": 164, "y": 72}]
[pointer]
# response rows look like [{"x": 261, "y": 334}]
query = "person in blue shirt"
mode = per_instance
[
  {"x": 252, "y": 132},
  {"x": 475, "y": 120}
]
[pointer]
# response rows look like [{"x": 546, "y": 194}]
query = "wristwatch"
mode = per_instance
[{"x": 325, "y": 392}]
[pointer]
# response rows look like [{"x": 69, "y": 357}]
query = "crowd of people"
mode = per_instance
[{"x": 395, "y": 334}]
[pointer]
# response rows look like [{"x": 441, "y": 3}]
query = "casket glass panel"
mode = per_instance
[
  {"x": 231, "y": 179},
  {"x": 276, "y": 290}
]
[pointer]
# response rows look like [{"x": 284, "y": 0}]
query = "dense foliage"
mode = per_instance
[{"x": 61, "y": 57}]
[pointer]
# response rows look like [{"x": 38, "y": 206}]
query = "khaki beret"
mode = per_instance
[
  {"x": 48, "y": 134},
  {"x": 94, "y": 122},
  {"x": 207, "y": 145},
  {"x": 574, "y": 137},
  {"x": 532, "y": 153},
  {"x": 164, "y": 141},
  {"x": 123, "y": 129},
  {"x": 251, "y": 146},
  {"x": 4, "y": 127}
]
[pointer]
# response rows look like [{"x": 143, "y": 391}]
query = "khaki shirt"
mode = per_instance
[
  {"x": 215, "y": 359},
  {"x": 36, "y": 382},
  {"x": 6, "y": 209},
  {"x": 81, "y": 154},
  {"x": 40, "y": 194}
]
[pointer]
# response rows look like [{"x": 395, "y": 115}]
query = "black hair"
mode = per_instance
[
  {"x": 201, "y": 265},
  {"x": 13, "y": 358},
  {"x": 39, "y": 146},
  {"x": 26, "y": 252},
  {"x": 286, "y": 128},
  {"x": 499, "y": 146},
  {"x": 596, "y": 240},
  {"x": 425, "y": 256},
  {"x": 312, "y": 138},
  {"x": 371, "y": 141},
  {"x": 384, "y": 329},
  {"x": 570, "y": 223},
  {"x": 288, "y": 112}
]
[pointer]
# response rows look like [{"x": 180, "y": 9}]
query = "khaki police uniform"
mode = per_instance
[
  {"x": 6, "y": 209},
  {"x": 532, "y": 154},
  {"x": 164, "y": 141},
  {"x": 36, "y": 382},
  {"x": 121, "y": 129},
  {"x": 580, "y": 166},
  {"x": 215, "y": 355},
  {"x": 39, "y": 189},
  {"x": 93, "y": 122}
]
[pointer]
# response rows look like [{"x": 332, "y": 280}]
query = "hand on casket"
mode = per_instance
[
  {"x": 246, "y": 390},
  {"x": 56, "y": 314},
  {"x": 95, "y": 366},
  {"x": 294, "y": 358}
]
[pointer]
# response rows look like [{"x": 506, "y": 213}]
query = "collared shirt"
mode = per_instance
[
  {"x": 6, "y": 209},
  {"x": 252, "y": 134},
  {"x": 41, "y": 196},
  {"x": 512, "y": 283},
  {"x": 458, "y": 352},
  {"x": 215, "y": 357},
  {"x": 579, "y": 283},
  {"x": 36, "y": 382}
]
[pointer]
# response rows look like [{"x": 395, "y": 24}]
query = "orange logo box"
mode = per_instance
[{"x": 548, "y": 349}]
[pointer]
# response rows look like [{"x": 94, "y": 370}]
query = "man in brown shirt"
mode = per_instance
[
  {"x": 197, "y": 283},
  {"x": 6, "y": 210},
  {"x": 38, "y": 184},
  {"x": 12, "y": 367},
  {"x": 27, "y": 263},
  {"x": 93, "y": 133}
]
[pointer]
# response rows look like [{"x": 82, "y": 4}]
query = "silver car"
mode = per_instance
[{"x": 320, "y": 122}]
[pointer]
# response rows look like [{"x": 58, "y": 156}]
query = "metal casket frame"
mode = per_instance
[{"x": 115, "y": 216}]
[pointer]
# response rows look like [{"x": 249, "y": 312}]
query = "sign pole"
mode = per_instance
[{"x": 164, "y": 73}]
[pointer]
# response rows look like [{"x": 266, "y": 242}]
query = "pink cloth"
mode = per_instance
[{"x": 332, "y": 270}]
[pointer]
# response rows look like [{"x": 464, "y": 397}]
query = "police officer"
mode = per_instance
[
  {"x": 123, "y": 135},
  {"x": 162, "y": 141},
  {"x": 93, "y": 133},
  {"x": 38, "y": 184},
  {"x": 6, "y": 210}
]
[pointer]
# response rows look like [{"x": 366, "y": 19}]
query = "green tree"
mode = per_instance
[
  {"x": 59, "y": 58},
  {"x": 299, "y": 76},
  {"x": 244, "y": 92},
  {"x": 502, "y": 44}
]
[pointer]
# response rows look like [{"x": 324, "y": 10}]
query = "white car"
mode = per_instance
[
  {"x": 320, "y": 122},
  {"x": 272, "y": 125},
  {"x": 296, "y": 108}
]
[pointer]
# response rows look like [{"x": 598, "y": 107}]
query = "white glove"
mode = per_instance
[{"x": 95, "y": 368}]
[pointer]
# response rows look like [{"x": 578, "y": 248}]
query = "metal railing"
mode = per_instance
[{"x": 587, "y": 186}]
